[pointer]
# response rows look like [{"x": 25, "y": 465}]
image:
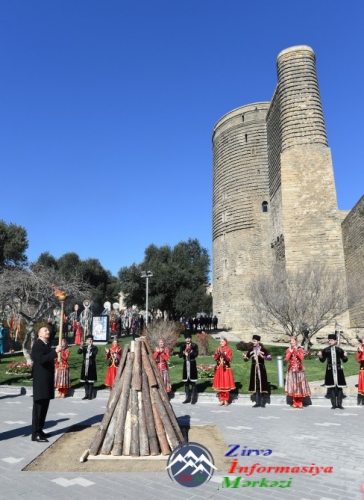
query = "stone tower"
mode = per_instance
[
  {"x": 240, "y": 207},
  {"x": 305, "y": 220},
  {"x": 274, "y": 194}
]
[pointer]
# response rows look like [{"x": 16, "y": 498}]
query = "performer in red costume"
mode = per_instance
[
  {"x": 223, "y": 378},
  {"x": 113, "y": 355},
  {"x": 296, "y": 382},
  {"x": 62, "y": 372},
  {"x": 79, "y": 333},
  {"x": 360, "y": 359},
  {"x": 161, "y": 356}
]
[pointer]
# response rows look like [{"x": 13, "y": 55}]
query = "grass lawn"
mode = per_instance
[{"x": 314, "y": 369}]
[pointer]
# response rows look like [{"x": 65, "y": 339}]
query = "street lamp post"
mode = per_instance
[{"x": 146, "y": 275}]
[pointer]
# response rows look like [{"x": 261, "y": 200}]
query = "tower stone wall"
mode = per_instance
[
  {"x": 353, "y": 239},
  {"x": 240, "y": 194},
  {"x": 311, "y": 221},
  {"x": 274, "y": 154}
]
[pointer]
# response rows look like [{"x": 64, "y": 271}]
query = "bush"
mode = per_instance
[
  {"x": 244, "y": 346},
  {"x": 19, "y": 368},
  {"x": 205, "y": 371},
  {"x": 203, "y": 341}
]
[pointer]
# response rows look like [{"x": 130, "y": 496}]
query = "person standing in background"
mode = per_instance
[
  {"x": 360, "y": 359},
  {"x": 62, "y": 374},
  {"x": 113, "y": 355},
  {"x": 88, "y": 370}
]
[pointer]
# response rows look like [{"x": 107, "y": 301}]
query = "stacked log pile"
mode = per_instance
[{"x": 139, "y": 419}]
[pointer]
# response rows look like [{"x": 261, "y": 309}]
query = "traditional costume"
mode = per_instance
[
  {"x": 258, "y": 375},
  {"x": 189, "y": 352},
  {"x": 62, "y": 373},
  {"x": 88, "y": 370},
  {"x": 1, "y": 339},
  {"x": 296, "y": 382},
  {"x": 161, "y": 358},
  {"x": 360, "y": 359},
  {"x": 334, "y": 377},
  {"x": 113, "y": 355},
  {"x": 223, "y": 379},
  {"x": 79, "y": 333}
]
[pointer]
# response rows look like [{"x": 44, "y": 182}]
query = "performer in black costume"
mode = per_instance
[
  {"x": 258, "y": 375},
  {"x": 189, "y": 352},
  {"x": 88, "y": 370},
  {"x": 334, "y": 377}
]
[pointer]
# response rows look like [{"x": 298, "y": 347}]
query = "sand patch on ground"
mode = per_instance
[{"x": 64, "y": 455}]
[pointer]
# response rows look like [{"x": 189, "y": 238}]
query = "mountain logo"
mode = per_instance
[{"x": 190, "y": 465}]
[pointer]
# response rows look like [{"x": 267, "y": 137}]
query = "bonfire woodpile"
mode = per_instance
[{"x": 139, "y": 419}]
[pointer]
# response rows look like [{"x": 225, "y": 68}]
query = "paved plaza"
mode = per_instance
[{"x": 316, "y": 435}]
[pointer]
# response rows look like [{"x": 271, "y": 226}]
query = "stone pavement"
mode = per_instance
[{"x": 315, "y": 435}]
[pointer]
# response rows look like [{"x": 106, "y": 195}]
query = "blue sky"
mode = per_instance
[{"x": 107, "y": 109}]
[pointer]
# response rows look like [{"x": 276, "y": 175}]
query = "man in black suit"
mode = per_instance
[{"x": 43, "y": 357}]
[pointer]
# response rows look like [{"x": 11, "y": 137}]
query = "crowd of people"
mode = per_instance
[
  {"x": 200, "y": 322},
  {"x": 51, "y": 371}
]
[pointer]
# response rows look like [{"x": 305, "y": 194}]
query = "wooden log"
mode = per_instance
[
  {"x": 111, "y": 405},
  {"x": 149, "y": 420},
  {"x": 160, "y": 430},
  {"x": 172, "y": 437},
  {"x": 148, "y": 368},
  {"x": 134, "y": 421},
  {"x": 123, "y": 408},
  {"x": 136, "y": 381},
  {"x": 122, "y": 363},
  {"x": 164, "y": 395},
  {"x": 127, "y": 435},
  {"x": 109, "y": 437},
  {"x": 84, "y": 456},
  {"x": 143, "y": 436},
  {"x": 108, "y": 441}
]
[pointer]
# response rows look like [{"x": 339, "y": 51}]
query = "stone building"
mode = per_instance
[{"x": 274, "y": 194}]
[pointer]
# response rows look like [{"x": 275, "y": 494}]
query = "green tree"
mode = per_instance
[
  {"x": 13, "y": 244},
  {"x": 103, "y": 285},
  {"x": 47, "y": 260},
  {"x": 178, "y": 285}
]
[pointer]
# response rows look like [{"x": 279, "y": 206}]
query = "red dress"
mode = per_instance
[
  {"x": 296, "y": 382},
  {"x": 79, "y": 334},
  {"x": 223, "y": 379},
  {"x": 360, "y": 359},
  {"x": 161, "y": 359},
  {"x": 113, "y": 356},
  {"x": 62, "y": 373}
]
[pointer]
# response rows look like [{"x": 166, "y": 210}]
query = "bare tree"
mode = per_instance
[
  {"x": 30, "y": 292},
  {"x": 296, "y": 302},
  {"x": 169, "y": 331}
]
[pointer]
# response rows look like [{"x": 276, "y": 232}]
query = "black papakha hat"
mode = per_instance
[
  {"x": 332, "y": 336},
  {"x": 188, "y": 335},
  {"x": 89, "y": 337},
  {"x": 256, "y": 337}
]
